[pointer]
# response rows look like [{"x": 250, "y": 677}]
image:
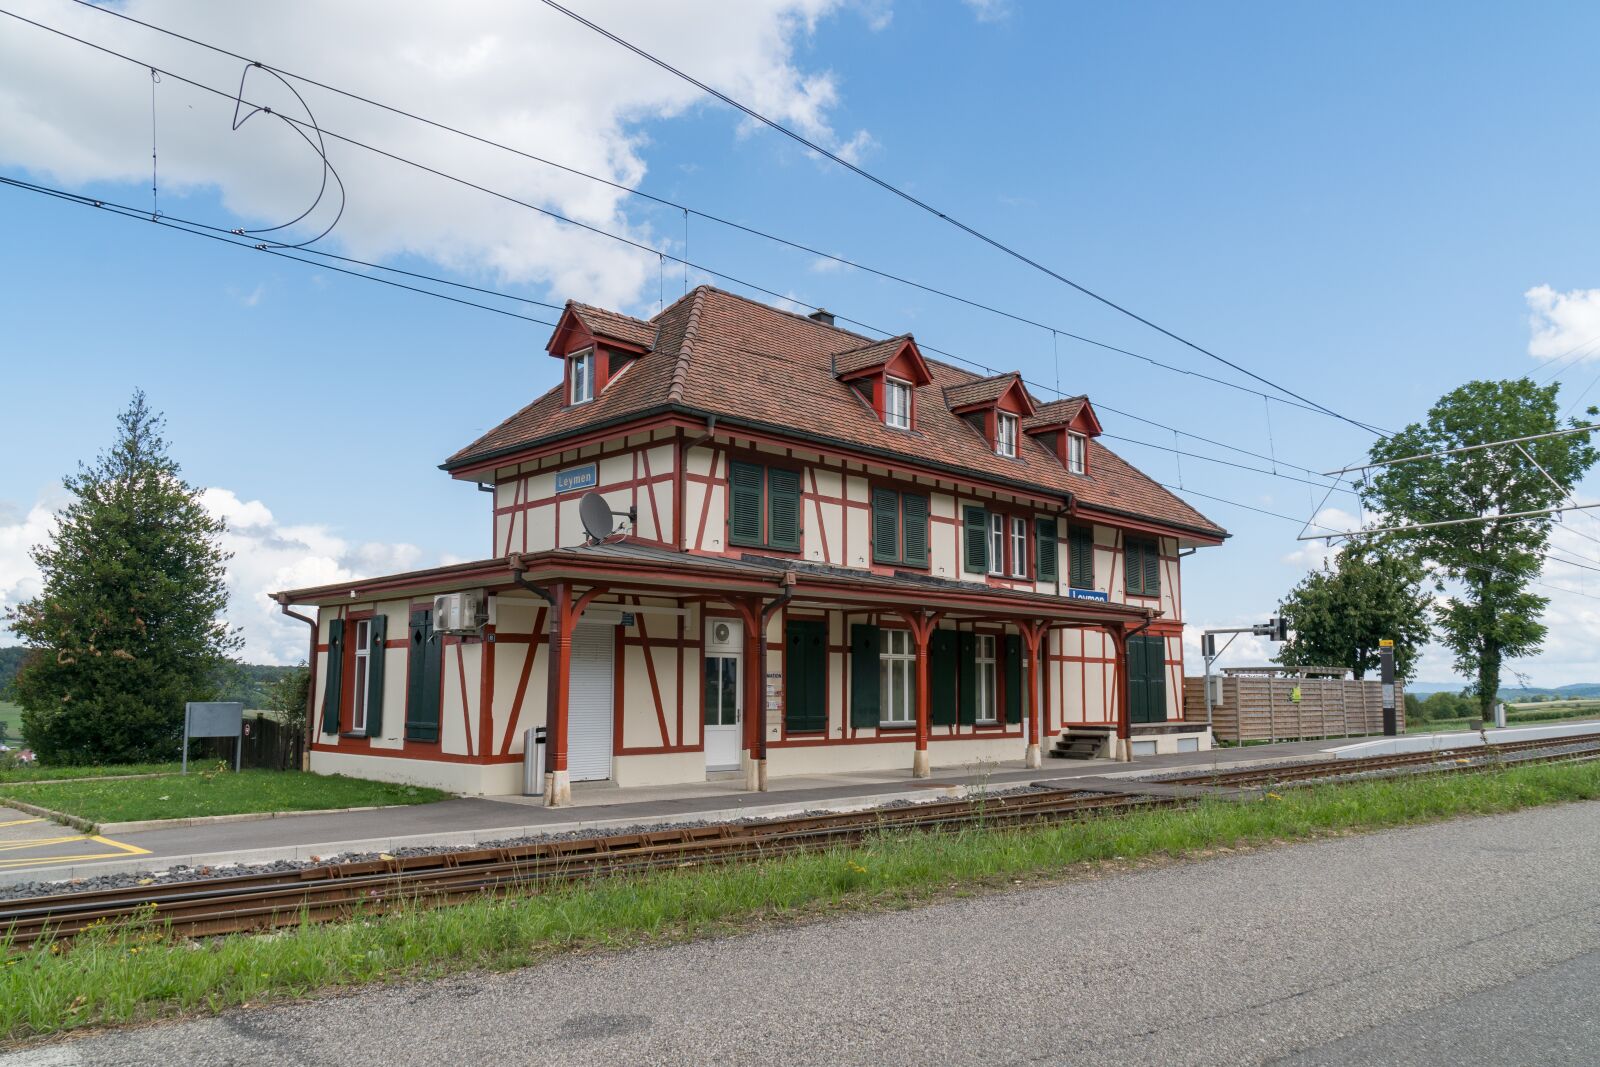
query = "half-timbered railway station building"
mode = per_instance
[{"x": 841, "y": 556}]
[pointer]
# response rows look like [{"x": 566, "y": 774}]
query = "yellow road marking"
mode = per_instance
[
  {"x": 123, "y": 848},
  {"x": 20, "y": 822},
  {"x": 37, "y": 842}
]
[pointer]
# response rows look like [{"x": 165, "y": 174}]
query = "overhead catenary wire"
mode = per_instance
[
  {"x": 718, "y": 219},
  {"x": 195, "y": 229},
  {"x": 945, "y": 216},
  {"x": 235, "y": 98}
]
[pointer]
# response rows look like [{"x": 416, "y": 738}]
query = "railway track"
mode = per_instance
[{"x": 264, "y": 901}]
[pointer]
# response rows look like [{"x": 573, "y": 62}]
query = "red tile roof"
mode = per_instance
[
  {"x": 979, "y": 390},
  {"x": 873, "y": 355},
  {"x": 744, "y": 361},
  {"x": 1055, "y": 413},
  {"x": 618, "y": 327}
]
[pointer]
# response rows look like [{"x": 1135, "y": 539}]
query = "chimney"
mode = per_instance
[{"x": 822, "y": 315}]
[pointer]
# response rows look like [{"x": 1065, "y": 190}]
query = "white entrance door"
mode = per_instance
[
  {"x": 589, "y": 703},
  {"x": 724, "y": 638}
]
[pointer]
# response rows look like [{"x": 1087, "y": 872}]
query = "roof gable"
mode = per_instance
[
  {"x": 898, "y": 356},
  {"x": 1003, "y": 391},
  {"x": 1073, "y": 413}
]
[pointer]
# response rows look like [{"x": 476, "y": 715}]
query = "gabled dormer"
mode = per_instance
[
  {"x": 596, "y": 347},
  {"x": 886, "y": 375},
  {"x": 995, "y": 407},
  {"x": 1065, "y": 427}
]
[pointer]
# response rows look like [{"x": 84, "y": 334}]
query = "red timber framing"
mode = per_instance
[{"x": 565, "y": 611}]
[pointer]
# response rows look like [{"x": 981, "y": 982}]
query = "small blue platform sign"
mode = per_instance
[
  {"x": 1086, "y": 594},
  {"x": 584, "y": 477}
]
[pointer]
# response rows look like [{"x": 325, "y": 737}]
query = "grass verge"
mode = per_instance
[
  {"x": 211, "y": 792},
  {"x": 9, "y": 775},
  {"x": 127, "y": 975}
]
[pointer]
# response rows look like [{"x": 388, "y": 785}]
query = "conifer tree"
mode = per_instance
[{"x": 129, "y": 623}]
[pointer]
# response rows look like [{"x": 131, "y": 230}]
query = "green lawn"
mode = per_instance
[
  {"x": 1529, "y": 715},
  {"x": 133, "y": 974},
  {"x": 11, "y": 720},
  {"x": 208, "y": 793},
  {"x": 38, "y": 773}
]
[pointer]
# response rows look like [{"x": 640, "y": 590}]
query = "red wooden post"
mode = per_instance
[
  {"x": 557, "y": 789},
  {"x": 564, "y": 615},
  {"x": 1032, "y": 633},
  {"x": 1119, "y": 638},
  {"x": 753, "y": 725},
  {"x": 922, "y": 627}
]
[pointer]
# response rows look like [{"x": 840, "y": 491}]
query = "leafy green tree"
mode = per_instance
[
  {"x": 1492, "y": 615},
  {"x": 288, "y": 697},
  {"x": 129, "y": 623},
  {"x": 1340, "y": 613}
]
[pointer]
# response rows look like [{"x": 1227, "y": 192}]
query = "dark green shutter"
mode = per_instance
[
  {"x": 744, "y": 503},
  {"x": 1080, "y": 556},
  {"x": 885, "y": 526},
  {"x": 1136, "y": 680},
  {"x": 783, "y": 509},
  {"x": 1152, "y": 568},
  {"x": 977, "y": 540},
  {"x": 333, "y": 684},
  {"x": 864, "y": 642},
  {"x": 1133, "y": 564},
  {"x": 914, "y": 520},
  {"x": 424, "y": 661},
  {"x": 1155, "y": 689},
  {"x": 1045, "y": 553},
  {"x": 377, "y": 656},
  {"x": 1013, "y": 678},
  {"x": 942, "y": 678},
  {"x": 806, "y": 670},
  {"x": 967, "y": 687}
]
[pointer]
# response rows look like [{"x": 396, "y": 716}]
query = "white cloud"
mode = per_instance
[
  {"x": 990, "y": 10},
  {"x": 516, "y": 72},
  {"x": 1313, "y": 555},
  {"x": 19, "y": 532},
  {"x": 1563, "y": 323},
  {"x": 268, "y": 556}
]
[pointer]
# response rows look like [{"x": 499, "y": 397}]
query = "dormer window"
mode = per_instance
[
  {"x": 1005, "y": 435},
  {"x": 1077, "y": 453},
  {"x": 897, "y": 403},
  {"x": 580, "y": 371}
]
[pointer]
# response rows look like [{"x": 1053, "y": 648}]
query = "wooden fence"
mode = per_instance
[
  {"x": 268, "y": 745},
  {"x": 1279, "y": 706}
]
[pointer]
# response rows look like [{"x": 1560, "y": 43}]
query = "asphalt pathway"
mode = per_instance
[{"x": 1476, "y": 941}]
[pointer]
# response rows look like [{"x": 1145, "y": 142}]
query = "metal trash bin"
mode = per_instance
[{"x": 533, "y": 741}]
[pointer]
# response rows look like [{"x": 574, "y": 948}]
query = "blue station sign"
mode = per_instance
[
  {"x": 1086, "y": 594},
  {"x": 584, "y": 477}
]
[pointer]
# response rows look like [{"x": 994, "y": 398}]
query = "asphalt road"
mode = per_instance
[{"x": 1366, "y": 950}]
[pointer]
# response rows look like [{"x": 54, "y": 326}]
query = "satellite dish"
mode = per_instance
[{"x": 596, "y": 515}]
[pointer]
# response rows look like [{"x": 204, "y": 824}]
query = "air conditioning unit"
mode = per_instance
[{"x": 460, "y": 613}]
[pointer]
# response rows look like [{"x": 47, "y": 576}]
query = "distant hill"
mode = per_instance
[
  {"x": 241, "y": 681},
  {"x": 10, "y": 662},
  {"x": 1576, "y": 691}
]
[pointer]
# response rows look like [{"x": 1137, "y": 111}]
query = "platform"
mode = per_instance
[{"x": 596, "y": 806}]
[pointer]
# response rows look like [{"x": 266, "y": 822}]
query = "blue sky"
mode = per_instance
[{"x": 1351, "y": 202}]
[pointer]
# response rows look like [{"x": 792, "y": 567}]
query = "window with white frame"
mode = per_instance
[
  {"x": 988, "y": 703},
  {"x": 897, "y": 403},
  {"x": 997, "y": 544},
  {"x": 581, "y": 371},
  {"x": 1019, "y": 546},
  {"x": 358, "y": 711},
  {"x": 1005, "y": 436},
  {"x": 897, "y": 678},
  {"x": 1077, "y": 453}
]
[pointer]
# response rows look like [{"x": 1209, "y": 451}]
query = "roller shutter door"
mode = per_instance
[{"x": 589, "y": 703}]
